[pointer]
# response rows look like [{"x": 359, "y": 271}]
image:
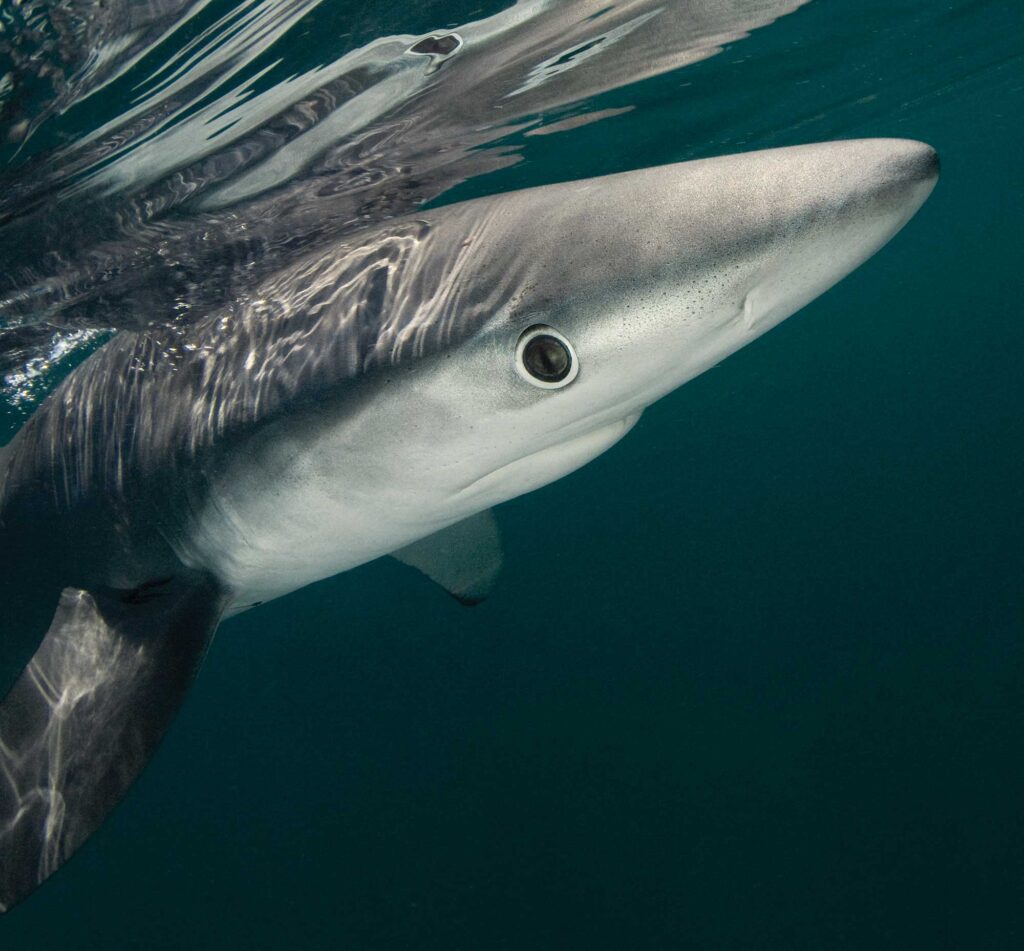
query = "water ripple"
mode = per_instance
[{"x": 232, "y": 153}]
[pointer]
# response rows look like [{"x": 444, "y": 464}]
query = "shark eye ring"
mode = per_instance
[{"x": 545, "y": 358}]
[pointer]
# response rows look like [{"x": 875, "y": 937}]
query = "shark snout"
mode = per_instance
[
  {"x": 902, "y": 171},
  {"x": 836, "y": 204},
  {"x": 916, "y": 161},
  {"x": 689, "y": 263}
]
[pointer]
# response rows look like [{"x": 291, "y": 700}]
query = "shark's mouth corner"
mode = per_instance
[{"x": 545, "y": 465}]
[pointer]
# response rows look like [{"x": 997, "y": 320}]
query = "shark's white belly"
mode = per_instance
[
  {"x": 284, "y": 515},
  {"x": 283, "y": 555},
  {"x": 267, "y": 544}
]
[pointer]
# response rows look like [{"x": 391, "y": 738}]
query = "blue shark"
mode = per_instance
[{"x": 377, "y": 398}]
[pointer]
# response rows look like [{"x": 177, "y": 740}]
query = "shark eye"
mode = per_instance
[{"x": 545, "y": 358}]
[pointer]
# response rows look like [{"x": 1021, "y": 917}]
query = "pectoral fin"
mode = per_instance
[
  {"x": 464, "y": 559},
  {"x": 86, "y": 714}
]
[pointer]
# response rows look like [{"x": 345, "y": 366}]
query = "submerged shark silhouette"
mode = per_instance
[{"x": 377, "y": 399}]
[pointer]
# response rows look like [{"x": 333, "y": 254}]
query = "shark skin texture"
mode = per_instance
[{"x": 377, "y": 399}]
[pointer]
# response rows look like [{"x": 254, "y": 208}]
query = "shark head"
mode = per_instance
[
  {"x": 526, "y": 333},
  {"x": 604, "y": 295}
]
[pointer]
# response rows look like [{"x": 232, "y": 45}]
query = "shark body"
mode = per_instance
[{"x": 376, "y": 400}]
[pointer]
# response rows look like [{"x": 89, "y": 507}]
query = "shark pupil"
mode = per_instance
[{"x": 547, "y": 358}]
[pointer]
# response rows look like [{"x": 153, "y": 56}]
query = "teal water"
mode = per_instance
[{"x": 754, "y": 679}]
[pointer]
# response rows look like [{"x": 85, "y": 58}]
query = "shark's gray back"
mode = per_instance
[{"x": 148, "y": 404}]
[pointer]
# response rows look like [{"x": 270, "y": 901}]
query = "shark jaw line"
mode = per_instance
[{"x": 544, "y": 465}]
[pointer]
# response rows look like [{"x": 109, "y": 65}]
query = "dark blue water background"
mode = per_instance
[{"x": 752, "y": 680}]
